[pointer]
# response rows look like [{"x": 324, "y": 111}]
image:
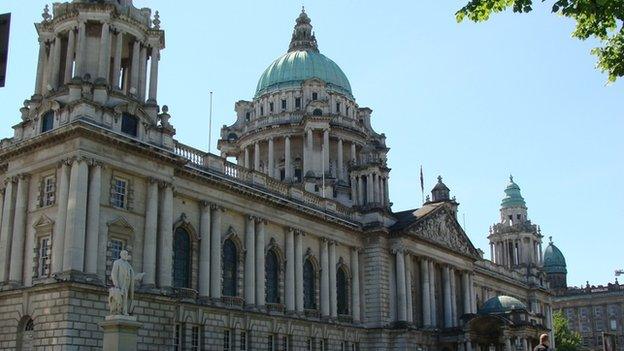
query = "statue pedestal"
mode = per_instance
[{"x": 120, "y": 333}]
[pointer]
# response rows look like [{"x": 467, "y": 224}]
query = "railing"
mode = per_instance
[{"x": 210, "y": 162}]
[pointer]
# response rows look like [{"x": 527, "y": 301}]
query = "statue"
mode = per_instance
[{"x": 121, "y": 295}]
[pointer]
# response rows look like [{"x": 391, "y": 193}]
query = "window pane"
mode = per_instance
[
  {"x": 181, "y": 258},
  {"x": 47, "y": 121},
  {"x": 116, "y": 246},
  {"x": 230, "y": 268},
  {"x": 342, "y": 287},
  {"x": 272, "y": 278},
  {"x": 129, "y": 124},
  {"x": 309, "y": 286}
]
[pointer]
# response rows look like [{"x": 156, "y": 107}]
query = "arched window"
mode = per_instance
[
  {"x": 309, "y": 286},
  {"x": 230, "y": 268},
  {"x": 47, "y": 121},
  {"x": 129, "y": 124},
  {"x": 25, "y": 334},
  {"x": 342, "y": 287},
  {"x": 317, "y": 112},
  {"x": 181, "y": 258},
  {"x": 272, "y": 277}
]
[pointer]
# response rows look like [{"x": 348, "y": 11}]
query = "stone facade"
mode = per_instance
[{"x": 303, "y": 253}]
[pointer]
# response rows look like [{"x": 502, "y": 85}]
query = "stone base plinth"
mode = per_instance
[{"x": 120, "y": 333}]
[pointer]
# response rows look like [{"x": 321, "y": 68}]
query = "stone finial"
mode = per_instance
[
  {"x": 156, "y": 21},
  {"x": 46, "y": 13},
  {"x": 550, "y": 239}
]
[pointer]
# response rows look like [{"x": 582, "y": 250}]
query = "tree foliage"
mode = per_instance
[
  {"x": 599, "y": 19},
  {"x": 565, "y": 339}
]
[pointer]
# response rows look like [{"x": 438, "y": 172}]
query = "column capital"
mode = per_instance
[
  {"x": 324, "y": 239},
  {"x": 95, "y": 163},
  {"x": 356, "y": 249},
  {"x": 22, "y": 176},
  {"x": 203, "y": 204},
  {"x": 398, "y": 249},
  {"x": 165, "y": 184},
  {"x": 8, "y": 180},
  {"x": 261, "y": 220},
  {"x": 217, "y": 207}
]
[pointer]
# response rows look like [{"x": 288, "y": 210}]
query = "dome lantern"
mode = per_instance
[{"x": 513, "y": 197}]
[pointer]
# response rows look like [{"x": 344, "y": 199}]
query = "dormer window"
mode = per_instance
[
  {"x": 47, "y": 121},
  {"x": 298, "y": 103},
  {"x": 314, "y": 96},
  {"x": 283, "y": 104},
  {"x": 129, "y": 124}
]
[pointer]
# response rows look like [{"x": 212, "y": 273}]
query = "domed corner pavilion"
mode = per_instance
[{"x": 503, "y": 323}]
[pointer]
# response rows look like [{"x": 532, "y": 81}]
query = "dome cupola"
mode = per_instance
[
  {"x": 501, "y": 304},
  {"x": 512, "y": 198},
  {"x": 554, "y": 261},
  {"x": 303, "y": 61}
]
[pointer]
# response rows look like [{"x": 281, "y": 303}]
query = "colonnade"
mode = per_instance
[
  {"x": 452, "y": 310},
  {"x": 515, "y": 251},
  {"x": 132, "y": 78},
  {"x": 370, "y": 188}
]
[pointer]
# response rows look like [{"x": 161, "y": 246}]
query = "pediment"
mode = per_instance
[
  {"x": 121, "y": 224},
  {"x": 43, "y": 222},
  {"x": 440, "y": 227}
]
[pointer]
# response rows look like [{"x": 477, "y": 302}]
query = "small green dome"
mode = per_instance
[
  {"x": 512, "y": 198},
  {"x": 501, "y": 304},
  {"x": 293, "y": 68},
  {"x": 554, "y": 261}
]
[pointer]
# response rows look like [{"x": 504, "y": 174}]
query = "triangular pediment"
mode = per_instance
[
  {"x": 121, "y": 223},
  {"x": 43, "y": 222},
  {"x": 440, "y": 227}
]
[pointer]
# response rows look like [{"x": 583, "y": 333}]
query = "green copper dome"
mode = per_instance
[
  {"x": 501, "y": 304},
  {"x": 512, "y": 198},
  {"x": 303, "y": 61},
  {"x": 554, "y": 261},
  {"x": 293, "y": 68}
]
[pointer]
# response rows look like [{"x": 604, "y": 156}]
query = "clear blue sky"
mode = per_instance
[{"x": 472, "y": 102}]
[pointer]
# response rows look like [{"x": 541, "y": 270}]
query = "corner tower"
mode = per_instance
[
  {"x": 304, "y": 127},
  {"x": 555, "y": 267},
  {"x": 98, "y": 62},
  {"x": 515, "y": 241}
]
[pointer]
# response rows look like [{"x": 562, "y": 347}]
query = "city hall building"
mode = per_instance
[{"x": 294, "y": 246}]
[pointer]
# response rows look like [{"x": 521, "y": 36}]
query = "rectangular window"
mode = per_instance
[
  {"x": 285, "y": 343},
  {"x": 48, "y": 188},
  {"x": 44, "y": 257},
  {"x": 298, "y": 103},
  {"x": 343, "y": 346},
  {"x": 323, "y": 343},
  {"x": 347, "y": 112},
  {"x": 115, "y": 247},
  {"x": 226, "y": 340},
  {"x": 195, "y": 338},
  {"x": 129, "y": 124},
  {"x": 271, "y": 342},
  {"x": 314, "y": 96},
  {"x": 176, "y": 338},
  {"x": 243, "y": 341},
  {"x": 261, "y": 110},
  {"x": 283, "y": 104},
  {"x": 270, "y": 107},
  {"x": 120, "y": 193},
  {"x": 309, "y": 344},
  {"x": 613, "y": 325},
  {"x": 337, "y": 107}
]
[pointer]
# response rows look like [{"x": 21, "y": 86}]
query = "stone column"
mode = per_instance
[
  {"x": 69, "y": 57},
  {"x": 326, "y": 150},
  {"x": 271, "y": 161},
  {"x": 360, "y": 187},
  {"x": 246, "y": 157},
  {"x": 468, "y": 345},
  {"x": 289, "y": 279},
  {"x": 382, "y": 196},
  {"x": 432, "y": 294},
  {"x": 93, "y": 218},
  {"x": 134, "y": 69},
  {"x": 260, "y": 259},
  {"x": 80, "y": 69},
  {"x": 353, "y": 155},
  {"x": 354, "y": 191},
  {"x": 507, "y": 343},
  {"x": 324, "y": 278},
  {"x": 76, "y": 217},
  {"x": 19, "y": 230},
  {"x": 454, "y": 316},
  {"x": 6, "y": 230},
  {"x": 355, "y": 284},
  {"x": 55, "y": 69},
  {"x": 153, "y": 84},
  {"x": 58, "y": 239},
  {"x": 151, "y": 229},
  {"x": 408, "y": 288},
  {"x": 525, "y": 344},
  {"x": 299, "y": 271},
  {"x": 40, "y": 66},
  {"x": 376, "y": 198},
  {"x": 333, "y": 297},
  {"x": 400, "y": 285},
  {"x": 340, "y": 161},
  {"x": 370, "y": 197},
  {"x": 287, "y": 159},
  {"x": 446, "y": 280},
  {"x": 426, "y": 299},
  {"x": 308, "y": 152},
  {"x": 257, "y": 156},
  {"x": 165, "y": 239},
  {"x": 117, "y": 59},
  {"x": 473, "y": 301},
  {"x": 466, "y": 290},
  {"x": 215, "y": 252},
  {"x": 250, "y": 260},
  {"x": 204, "y": 249},
  {"x": 386, "y": 191},
  {"x": 142, "y": 72},
  {"x": 541, "y": 257},
  {"x": 104, "y": 59}
]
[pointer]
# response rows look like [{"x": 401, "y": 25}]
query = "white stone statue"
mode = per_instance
[{"x": 121, "y": 295}]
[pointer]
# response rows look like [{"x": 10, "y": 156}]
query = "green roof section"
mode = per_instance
[
  {"x": 512, "y": 198},
  {"x": 554, "y": 261},
  {"x": 501, "y": 304}
]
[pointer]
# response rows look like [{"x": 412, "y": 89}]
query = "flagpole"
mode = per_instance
[
  {"x": 210, "y": 124},
  {"x": 422, "y": 185}
]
